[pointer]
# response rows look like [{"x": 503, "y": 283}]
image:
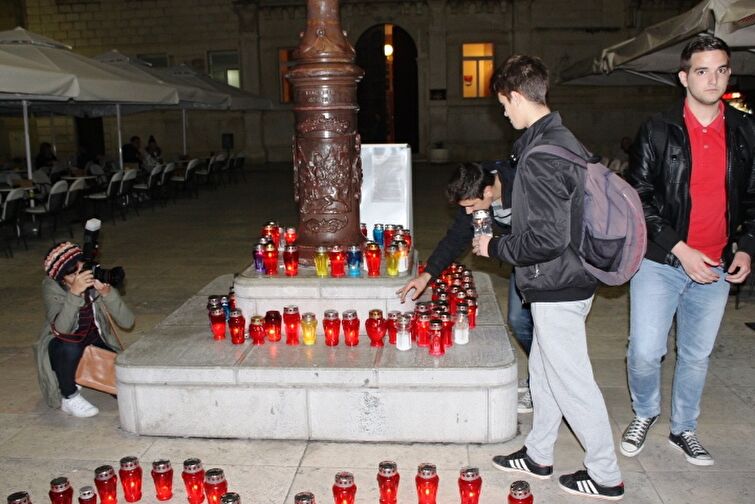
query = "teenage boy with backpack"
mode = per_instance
[
  {"x": 547, "y": 215},
  {"x": 694, "y": 169}
]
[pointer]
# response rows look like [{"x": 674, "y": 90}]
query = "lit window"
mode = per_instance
[
  {"x": 477, "y": 69},
  {"x": 285, "y": 60},
  {"x": 224, "y": 66}
]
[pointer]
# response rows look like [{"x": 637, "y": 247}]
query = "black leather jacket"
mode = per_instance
[{"x": 660, "y": 168}]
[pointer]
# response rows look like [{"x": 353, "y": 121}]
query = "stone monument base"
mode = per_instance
[{"x": 178, "y": 381}]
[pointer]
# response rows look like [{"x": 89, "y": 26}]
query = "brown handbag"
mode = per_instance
[{"x": 96, "y": 368}]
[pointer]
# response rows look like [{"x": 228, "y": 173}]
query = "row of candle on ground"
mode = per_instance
[
  {"x": 430, "y": 325},
  {"x": 213, "y": 484},
  {"x": 383, "y": 235},
  {"x": 335, "y": 261}
]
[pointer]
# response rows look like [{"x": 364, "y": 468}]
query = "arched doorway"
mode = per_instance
[{"x": 387, "y": 95}]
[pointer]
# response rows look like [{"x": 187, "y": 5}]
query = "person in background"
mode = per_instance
[
  {"x": 76, "y": 308},
  {"x": 132, "y": 151},
  {"x": 46, "y": 158},
  {"x": 153, "y": 149}
]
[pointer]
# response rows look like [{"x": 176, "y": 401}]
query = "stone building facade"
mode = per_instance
[{"x": 259, "y": 34}]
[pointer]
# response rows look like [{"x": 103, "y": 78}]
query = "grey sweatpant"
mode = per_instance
[{"x": 562, "y": 384}]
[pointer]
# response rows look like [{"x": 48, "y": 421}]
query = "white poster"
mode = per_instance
[{"x": 386, "y": 186}]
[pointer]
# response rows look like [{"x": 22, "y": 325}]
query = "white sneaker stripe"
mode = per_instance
[{"x": 591, "y": 486}]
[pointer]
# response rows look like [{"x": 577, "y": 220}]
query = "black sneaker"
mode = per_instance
[
  {"x": 520, "y": 462},
  {"x": 633, "y": 439},
  {"x": 688, "y": 444},
  {"x": 580, "y": 483}
]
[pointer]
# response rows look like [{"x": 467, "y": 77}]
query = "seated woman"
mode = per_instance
[{"x": 76, "y": 308}]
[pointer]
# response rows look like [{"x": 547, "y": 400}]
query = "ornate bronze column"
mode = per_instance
[{"x": 326, "y": 145}]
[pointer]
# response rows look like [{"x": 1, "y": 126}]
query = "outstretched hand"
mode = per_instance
[{"x": 418, "y": 283}]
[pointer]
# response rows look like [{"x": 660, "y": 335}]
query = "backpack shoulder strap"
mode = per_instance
[{"x": 559, "y": 152}]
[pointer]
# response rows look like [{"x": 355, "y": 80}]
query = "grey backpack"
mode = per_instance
[{"x": 614, "y": 236}]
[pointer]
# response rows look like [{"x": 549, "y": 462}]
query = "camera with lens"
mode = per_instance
[{"x": 113, "y": 276}]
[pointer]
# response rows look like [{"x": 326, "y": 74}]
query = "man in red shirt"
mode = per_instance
[{"x": 694, "y": 169}]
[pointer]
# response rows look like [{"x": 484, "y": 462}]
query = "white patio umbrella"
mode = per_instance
[{"x": 37, "y": 68}]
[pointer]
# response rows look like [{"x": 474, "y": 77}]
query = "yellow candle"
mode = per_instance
[{"x": 309, "y": 329}]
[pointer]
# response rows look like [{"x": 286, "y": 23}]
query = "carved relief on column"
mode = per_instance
[{"x": 326, "y": 145}]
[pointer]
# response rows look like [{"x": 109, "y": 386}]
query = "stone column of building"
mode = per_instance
[
  {"x": 326, "y": 145},
  {"x": 249, "y": 43}
]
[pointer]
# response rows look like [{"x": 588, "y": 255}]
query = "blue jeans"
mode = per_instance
[
  {"x": 658, "y": 292},
  {"x": 520, "y": 317}
]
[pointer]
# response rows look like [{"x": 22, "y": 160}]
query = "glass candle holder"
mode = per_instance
[
  {"x": 354, "y": 261},
  {"x": 271, "y": 259},
  {"x": 461, "y": 329},
  {"x": 452, "y": 299},
  {"x": 482, "y": 223},
  {"x": 436, "y": 339},
  {"x": 363, "y": 228},
  {"x": 344, "y": 489},
  {"x": 447, "y": 331},
  {"x": 337, "y": 258},
  {"x": 403, "y": 255},
  {"x": 520, "y": 493},
  {"x": 376, "y": 328},
  {"x": 236, "y": 326},
  {"x": 214, "y": 301},
  {"x": 321, "y": 261},
  {"x": 390, "y": 325},
  {"x": 230, "y": 498},
  {"x": 372, "y": 258},
  {"x": 291, "y": 260},
  {"x": 331, "y": 326},
  {"x": 225, "y": 303},
  {"x": 403, "y": 333},
  {"x": 258, "y": 258},
  {"x": 131, "y": 478},
  {"x": 423, "y": 330},
  {"x": 427, "y": 483},
  {"x": 350, "y": 322},
  {"x": 273, "y": 230},
  {"x": 290, "y": 235},
  {"x": 232, "y": 298},
  {"x": 257, "y": 330},
  {"x": 470, "y": 484},
  {"x": 304, "y": 498},
  {"x": 292, "y": 323},
  {"x": 472, "y": 311},
  {"x": 405, "y": 235},
  {"x": 412, "y": 318},
  {"x": 388, "y": 479},
  {"x": 61, "y": 491},
  {"x": 215, "y": 485},
  {"x": 391, "y": 260},
  {"x": 389, "y": 233},
  {"x": 19, "y": 498},
  {"x": 217, "y": 323},
  {"x": 162, "y": 476},
  {"x": 107, "y": 484},
  {"x": 377, "y": 234},
  {"x": 193, "y": 477},
  {"x": 87, "y": 495},
  {"x": 309, "y": 328},
  {"x": 273, "y": 323}
]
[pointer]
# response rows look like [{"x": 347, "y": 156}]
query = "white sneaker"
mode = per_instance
[
  {"x": 524, "y": 405},
  {"x": 78, "y": 407}
]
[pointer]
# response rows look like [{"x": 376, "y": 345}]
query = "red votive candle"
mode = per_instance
[
  {"x": 162, "y": 475},
  {"x": 270, "y": 259},
  {"x": 87, "y": 495},
  {"x": 350, "y": 322},
  {"x": 331, "y": 325},
  {"x": 520, "y": 493},
  {"x": 257, "y": 330},
  {"x": 388, "y": 478},
  {"x": 217, "y": 323},
  {"x": 363, "y": 228},
  {"x": 19, "y": 498},
  {"x": 344, "y": 489},
  {"x": 427, "y": 483},
  {"x": 292, "y": 323},
  {"x": 337, "y": 258},
  {"x": 472, "y": 311},
  {"x": 389, "y": 233},
  {"x": 376, "y": 328},
  {"x": 304, "y": 498},
  {"x": 107, "y": 484},
  {"x": 423, "y": 330},
  {"x": 372, "y": 258},
  {"x": 436, "y": 340},
  {"x": 390, "y": 325},
  {"x": 273, "y": 231},
  {"x": 236, "y": 326},
  {"x": 291, "y": 260},
  {"x": 131, "y": 478},
  {"x": 447, "y": 331},
  {"x": 290, "y": 235},
  {"x": 61, "y": 491},
  {"x": 215, "y": 485},
  {"x": 470, "y": 484},
  {"x": 193, "y": 476},
  {"x": 273, "y": 322}
]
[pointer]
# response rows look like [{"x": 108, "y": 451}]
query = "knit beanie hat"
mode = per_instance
[{"x": 61, "y": 259}]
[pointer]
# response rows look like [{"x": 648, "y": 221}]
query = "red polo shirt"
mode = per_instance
[{"x": 707, "y": 220}]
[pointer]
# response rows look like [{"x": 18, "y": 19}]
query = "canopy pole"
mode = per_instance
[
  {"x": 52, "y": 134},
  {"x": 27, "y": 140},
  {"x": 183, "y": 123},
  {"x": 120, "y": 142}
]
